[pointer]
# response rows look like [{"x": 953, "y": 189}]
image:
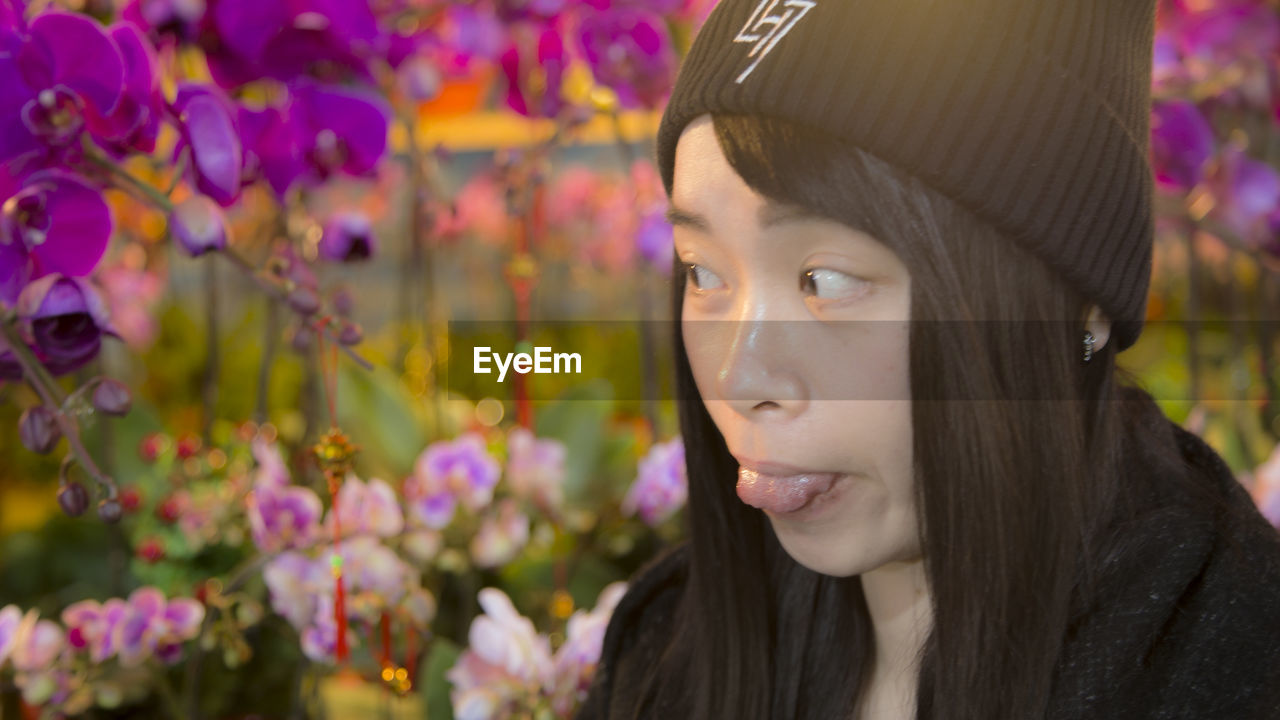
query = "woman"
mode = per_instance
[{"x": 911, "y": 238}]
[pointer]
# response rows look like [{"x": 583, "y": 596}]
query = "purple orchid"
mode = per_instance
[
  {"x": 325, "y": 39},
  {"x": 206, "y": 119},
  {"x": 283, "y": 516},
  {"x": 1248, "y": 191},
  {"x": 134, "y": 123},
  {"x": 65, "y": 319},
  {"x": 341, "y": 130},
  {"x": 180, "y": 19},
  {"x": 1181, "y": 144},
  {"x": 631, "y": 52},
  {"x": 654, "y": 240},
  {"x": 535, "y": 75},
  {"x": 660, "y": 488},
  {"x": 271, "y": 148},
  {"x": 92, "y": 627},
  {"x": 348, "y": 237},
  {"x": 55, "y": 223},
  {"x": 198, "y": 225},
  {"x": 447, "y": 472},
  {"x": 64, "y": 68}
]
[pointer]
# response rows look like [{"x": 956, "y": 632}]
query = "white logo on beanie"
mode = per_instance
[{"x": 766, "y": 27}]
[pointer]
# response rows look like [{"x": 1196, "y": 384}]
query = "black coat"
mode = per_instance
[{"x": 1185, "y": 624}]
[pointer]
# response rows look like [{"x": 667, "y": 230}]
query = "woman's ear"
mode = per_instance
[{"x": 1099, "y": 325}]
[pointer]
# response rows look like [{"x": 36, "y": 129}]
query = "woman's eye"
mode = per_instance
[
  {"x": 830, "y": 284},
  {"x": 702, "y": 278}
]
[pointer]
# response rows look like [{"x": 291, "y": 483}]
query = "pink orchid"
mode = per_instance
[
  {"x": 369, "y": 508},
  {"x": 660, "y": 489},
  {"x": 535, "y": 468},
  {"x": 500, "y": 536}
]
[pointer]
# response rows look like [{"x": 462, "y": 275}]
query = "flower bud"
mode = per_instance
[
  {"x": 73, "y": 498},
  {"x": 198, "y": 225},
  {"x": 38, "y": 428},
  {"x": 303, "y": 339},
  {"x": 112, "y": 397},
  {"x": 109, "y": 511},
  {"x": 304, "y": 300},
  {"x": 343, "y": 301},
  {"x": 351, "y": 334}
]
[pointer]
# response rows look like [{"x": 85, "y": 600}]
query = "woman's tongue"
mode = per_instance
[{"x": 781, "y": 493}]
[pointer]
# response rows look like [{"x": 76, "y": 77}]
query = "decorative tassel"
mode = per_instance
[{"x": 339, "y": 592}]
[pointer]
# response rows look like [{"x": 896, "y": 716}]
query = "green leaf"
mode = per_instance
[
  {"x": 578, "y": 419},
  {"x": 444, "y": 654}
]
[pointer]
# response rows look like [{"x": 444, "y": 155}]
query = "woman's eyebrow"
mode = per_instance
[{"x": 683, "y": 218}]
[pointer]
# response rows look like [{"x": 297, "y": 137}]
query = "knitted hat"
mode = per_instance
[{"x": 1033, "y": 114}]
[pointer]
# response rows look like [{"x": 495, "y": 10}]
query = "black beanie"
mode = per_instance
[{"x": 1033, "y": 114}]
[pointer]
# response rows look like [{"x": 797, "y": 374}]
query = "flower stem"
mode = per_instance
[
  {"x": 44, "y": 385},
  {"x": 149, "y": 193}
]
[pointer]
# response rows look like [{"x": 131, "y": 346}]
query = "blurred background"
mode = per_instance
[{"x": 242, "y": 474}]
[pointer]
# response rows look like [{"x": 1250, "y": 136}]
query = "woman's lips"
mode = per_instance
[{"x": 781, "y": 493}]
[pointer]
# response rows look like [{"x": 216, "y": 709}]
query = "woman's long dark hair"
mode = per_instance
[{"x": 1016, "y": 445}]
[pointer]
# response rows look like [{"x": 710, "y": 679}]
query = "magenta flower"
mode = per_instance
[
  {"x": 64, "y": 67},
  {"x": 66, "y": 319},
  {"x": 661, "y": 487},
  {"x": 348, "y": 237},
  {"x": 447, "y": 472},
  {"x": 180, "y": 19},
  {"x": 134, "y": 123},
  {"x": 55, "y": 223},
  {"x": 251, "y": 39},
  {"x": 542, "y": 57},
  {"x": 206, "y": 120},
  {"x": 630, "y": 51},
  {"x": 272, "y": 149},
  {"x": 535, "y": 468},
  {"x": 1181, "y": 144},
  {"x": 341, "y": 130}
]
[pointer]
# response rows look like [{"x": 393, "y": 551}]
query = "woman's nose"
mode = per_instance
[{"x": 758, "y": 373}]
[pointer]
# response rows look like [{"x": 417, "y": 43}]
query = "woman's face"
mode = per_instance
[{"x": 796, "y": 331}]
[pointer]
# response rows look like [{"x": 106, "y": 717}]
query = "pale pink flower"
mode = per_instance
[
  {"x": 660, "y": 489},
  {"x": 132, "y": 296},
  {"x": 10, "y": 618},
  {"x": 1266, "y": 487},
  {"x": 507, "y": 661},
  {"x": 367, "y": 509},
  {"x": 535, "y": 468},
  {"x": 294, "y": 581},
  {"x": 576, "y": 660},
  {"x": 36, "y": 643},
  {"x": 501, "y": 536}
]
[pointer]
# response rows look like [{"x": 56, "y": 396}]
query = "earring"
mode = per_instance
[{"x": 1088, "y": 346}]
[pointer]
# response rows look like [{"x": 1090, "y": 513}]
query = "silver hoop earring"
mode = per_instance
[{"x": 1088, "y": 346}]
